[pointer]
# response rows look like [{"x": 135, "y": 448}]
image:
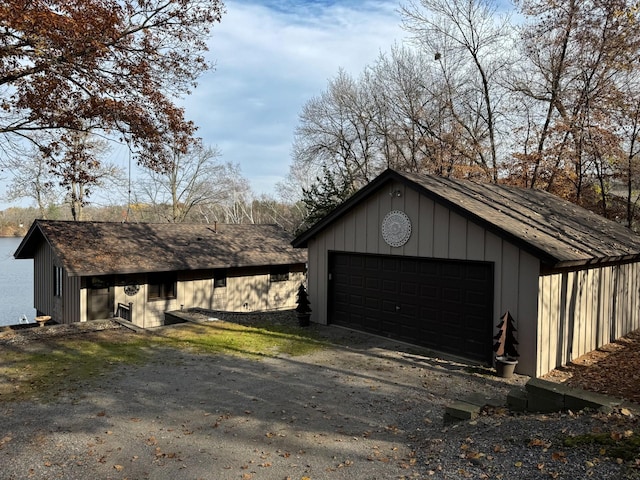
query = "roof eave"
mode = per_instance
[
  {"x": 302, "y": 240},
  {"x": 584, "y": 264},
  {"x": 545, "y": 257},
  {"x": 26, "y": 250},
  {"x": 125, "y": 271}
]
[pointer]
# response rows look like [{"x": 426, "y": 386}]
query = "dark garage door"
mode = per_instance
[{"x": 440, "y": 304}]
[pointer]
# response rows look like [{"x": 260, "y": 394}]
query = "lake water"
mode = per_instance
[{"x": 16, "y": 284}]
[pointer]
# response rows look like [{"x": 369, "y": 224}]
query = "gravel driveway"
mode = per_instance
[{"x": 373, "y": 410}]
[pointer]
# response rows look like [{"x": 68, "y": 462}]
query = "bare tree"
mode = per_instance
[
  {"x": 336, "y": 131},
  {"x": 30, "y": 178},
  {"x": 79, "y": 168},
  {"x": 192, "y": 180},
  {"x": 68, "y": 175},
  {"x": 470, "y": 43},
  {"x": 579, "y": 55}
]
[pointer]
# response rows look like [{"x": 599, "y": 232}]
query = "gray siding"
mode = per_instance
[
  {"x": 62, "y": 310},
  {"x": 583, "y": 310},
  {"x": 437, "y": 232},
  {"x": 71, "y": 293},
  {"x": 43, "y": 280}
]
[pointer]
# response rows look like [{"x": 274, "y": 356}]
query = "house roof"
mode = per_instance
[
  {"x": 559, "y": 233},
  {"x": 100, "y": 248}
]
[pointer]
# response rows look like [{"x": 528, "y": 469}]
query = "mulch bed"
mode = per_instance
[{"x": 613, "y": 369}]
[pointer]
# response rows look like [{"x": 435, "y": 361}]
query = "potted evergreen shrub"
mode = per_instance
[
  {"x": 505, "y": 346},
  {"x": 303, "y": 310}
]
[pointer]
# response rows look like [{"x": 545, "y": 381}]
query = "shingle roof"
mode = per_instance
[
  {"x": 99, "y": 248},
  {"x": 561, "y": 234}
]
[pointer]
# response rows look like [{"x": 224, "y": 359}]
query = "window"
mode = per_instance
[
  {"x": 219, "y": 278},
  {"x": 162, "y": 286},
  {"x": 279, "y": 273},
  {"x": 57, "y": 281}
]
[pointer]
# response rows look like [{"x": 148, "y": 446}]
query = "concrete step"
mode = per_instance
[{"x": 460, "y": 410}]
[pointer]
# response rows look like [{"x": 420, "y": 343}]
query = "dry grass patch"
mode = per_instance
[{"x": 47, "y": 367}]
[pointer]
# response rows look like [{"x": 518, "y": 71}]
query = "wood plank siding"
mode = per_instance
[
  {"x": 246, "y": 290},
  {"x": 437, "y": 232},
  {"x": 63, "y": 309},
  {"x": 569, "y": 277},
  {"x": 580, "y": 311}
]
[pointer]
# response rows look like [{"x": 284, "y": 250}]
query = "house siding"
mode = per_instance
[
  {"x": 43, "y": 280},
  {"x": 63, "y": 309},
  {"x": 583, "y": 310},
  {"x": 71, "y": 293},
  {"x": 440, "y": 233},
  {"x": 247, "y": 290}
]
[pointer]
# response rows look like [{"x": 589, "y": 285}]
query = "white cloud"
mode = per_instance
[{"x": 271, "y": 58}]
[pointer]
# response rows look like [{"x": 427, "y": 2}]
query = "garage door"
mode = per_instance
[{"x": 443, "y": 305}]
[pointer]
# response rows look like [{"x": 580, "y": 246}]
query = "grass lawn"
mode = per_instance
[{"x": 57, "y": 364}]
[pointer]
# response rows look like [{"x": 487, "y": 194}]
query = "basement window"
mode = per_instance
[
  {"x": 279, "y": 274},
  {"x": 162, "y": 286}
]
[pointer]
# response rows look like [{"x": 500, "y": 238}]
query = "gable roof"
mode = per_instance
[
  {"x": 559, "y": 233},
  {"x": 101, "y": 248}
]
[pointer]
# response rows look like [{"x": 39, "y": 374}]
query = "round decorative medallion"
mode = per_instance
[
  {"x": 131, "y": 290},
  {"x": 396, "y": 228}
]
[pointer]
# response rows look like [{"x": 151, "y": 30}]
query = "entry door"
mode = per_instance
[
  {"x": 440, "y": 304},
  {"x": 100, "y": 301}
]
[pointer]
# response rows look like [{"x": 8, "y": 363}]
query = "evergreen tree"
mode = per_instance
[
  {"x": 505, "y": 345},
  {"x": 324, "y": 195}
]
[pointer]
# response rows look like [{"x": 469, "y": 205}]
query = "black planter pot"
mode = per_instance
[
  {"x": 304, "y": 319},
  {"x": 505, "y": 366}
]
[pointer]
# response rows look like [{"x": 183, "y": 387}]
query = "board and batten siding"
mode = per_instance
[
  {"x": 437, "y": 232},
  {"x": 62, "y": 310},
  {"x": 247, "y": 290},
  {"x": 43, "y": 279},
  {"x": 582, "y": 310}
]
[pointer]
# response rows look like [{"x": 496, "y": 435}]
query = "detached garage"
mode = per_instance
[{"x": 436, "y": 262}]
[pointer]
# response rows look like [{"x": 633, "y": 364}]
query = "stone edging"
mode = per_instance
[
  {"x": 544, "y": 396},
  {"x": 540, "y": 396}
]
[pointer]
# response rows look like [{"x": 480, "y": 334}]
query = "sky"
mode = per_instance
[{"x": 271, "y": 58}]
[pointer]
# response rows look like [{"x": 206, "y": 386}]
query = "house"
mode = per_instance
[
  {"x": 93, "y": 270},
  {"x": 436, "y": 262}
]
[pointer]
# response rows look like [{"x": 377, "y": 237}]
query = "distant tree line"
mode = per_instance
[
  {"x": 550, "y": 100},
  {"x": 15, "y": 221}
]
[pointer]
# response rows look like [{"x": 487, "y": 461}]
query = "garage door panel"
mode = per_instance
[
  {"x": 429, "y": 292},
  {"x": 443, "y": 305},
  {"x": 388, "y": 306},
  {"x": 372, "y": 283},
  {"x": 389, "y": 286},
  {"x": 356, "y": 300},
  {"x": 451, "y": 295}
]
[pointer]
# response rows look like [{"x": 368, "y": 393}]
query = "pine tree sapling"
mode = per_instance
[
  {"x": 303, "y": 309},
  {"x": 302, "y": 300},
  {"x": 505, "y": 345}
]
